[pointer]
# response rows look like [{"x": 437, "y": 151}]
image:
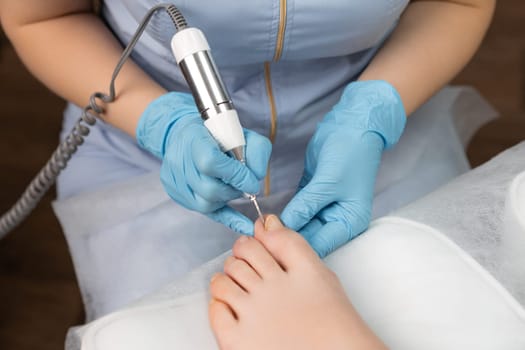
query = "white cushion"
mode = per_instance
[
  {"x": 418, "y": 290},
  {"x": 413, "y": 286}
]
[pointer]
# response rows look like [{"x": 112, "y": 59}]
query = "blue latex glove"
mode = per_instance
[
  {"x": 334, "y": 200},
  {"x": 195, "y": 172}
]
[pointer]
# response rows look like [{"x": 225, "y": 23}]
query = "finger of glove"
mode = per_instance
[
  {"x": 233, "y": 219},
  {"x": 200, "y": 204},
  {"x": 184, "y": 195},
  {"x": 258, "y": 151},
  {"x": 180, "y": 194},
  {"x": 310, "y": 200},
  {"x": 212, "y": 189},
  {"x": 355, "y": 215},
  {"x": 186, "y": 186},
  {"x": 330, "y": 237},
  {"x": 211, "y": 161},
  {"x": 311, "y": 228}
]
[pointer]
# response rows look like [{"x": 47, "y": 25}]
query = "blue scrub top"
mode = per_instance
[{"x": 284, "y": 62}]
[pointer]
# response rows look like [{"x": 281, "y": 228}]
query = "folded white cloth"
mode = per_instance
[{"x": 481, "y": 212}]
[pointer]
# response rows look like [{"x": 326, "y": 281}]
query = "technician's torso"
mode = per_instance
[{"x": 284, "y": 62}]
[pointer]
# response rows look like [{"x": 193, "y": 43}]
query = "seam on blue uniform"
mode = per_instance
[
  {"x": 290, "y": 15},
  {"x": 274, "y": 27}
]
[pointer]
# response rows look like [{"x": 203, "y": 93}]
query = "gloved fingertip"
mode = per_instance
[
  {"x": 242, "y": 178},
  {"x": 320, "y": 248},
  {"x": 254, "y": 183},
  {"x": 288, "y": 220},
  {"x": 242, "y": 225},
  {"x": 297, "y": 214},
  {"x": 320, "y": 253},
  {"x": 311, "y": 228},
  {"x": 249, "y": 190},
  {"x": 258, "y": 151},
  {"x": 330, "y": 237},
  {"x": 234, "y": 220},
  {"x": 245, "y": 229}
]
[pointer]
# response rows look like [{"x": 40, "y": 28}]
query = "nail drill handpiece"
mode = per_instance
[{"x": 192, "y": 52}]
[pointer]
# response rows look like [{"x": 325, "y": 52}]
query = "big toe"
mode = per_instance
[
  {"x": 288, "y": 247},
  {"x": 222, "y": 322}
]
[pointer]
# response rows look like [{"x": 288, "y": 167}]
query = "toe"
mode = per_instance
[
  {"x": 242, "y": 273},
  {"x": 222, "y": 322},
  {"x": 288, "y": 247},
  {"x": 254, "y": 253},
  {"x": 224, "y": 289}
]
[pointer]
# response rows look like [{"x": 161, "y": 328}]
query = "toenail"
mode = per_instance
[
  {"x": 272, "y": 222},
  {"x": 242, "y": 239}
]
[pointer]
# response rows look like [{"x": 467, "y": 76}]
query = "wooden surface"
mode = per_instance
[
  {"x": 39, "y": 298},
  {"x": 498, "y": 72}
]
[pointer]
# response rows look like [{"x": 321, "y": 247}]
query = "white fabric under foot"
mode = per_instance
[{"x": 413, "y": 286}]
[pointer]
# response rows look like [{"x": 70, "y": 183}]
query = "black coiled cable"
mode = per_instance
[{"x": 60, "y": 157}]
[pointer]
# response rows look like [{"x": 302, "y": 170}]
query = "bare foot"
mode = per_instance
[{"x": 277, "y": 294}]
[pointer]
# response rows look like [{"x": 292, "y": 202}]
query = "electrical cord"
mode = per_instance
[{"x": 60, "y": 157}]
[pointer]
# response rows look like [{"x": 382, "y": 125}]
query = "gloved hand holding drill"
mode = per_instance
[{"x": 195, "y": 172}]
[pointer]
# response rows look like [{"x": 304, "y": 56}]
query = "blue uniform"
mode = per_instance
[{"x": 283, "y": 69}]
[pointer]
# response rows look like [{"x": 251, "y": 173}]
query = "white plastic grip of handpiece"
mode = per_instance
[{"x": 226, "y": 129}]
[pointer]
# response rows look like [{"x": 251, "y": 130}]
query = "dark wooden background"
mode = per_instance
[{"x": 39, "y": 298}]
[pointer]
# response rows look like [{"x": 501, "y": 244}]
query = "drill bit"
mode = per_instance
[
  {"x": 253, "y": 199},
  {"x": 238, "y": 153}
]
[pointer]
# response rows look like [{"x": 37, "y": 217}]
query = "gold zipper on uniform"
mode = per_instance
[
  {"x": 273, "y": 120},
  {"x": 280, "y": 33},
  {"x": 267, "y": 76}
]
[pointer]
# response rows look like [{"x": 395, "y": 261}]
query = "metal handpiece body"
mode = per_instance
[{"x": 192, "y": 53}]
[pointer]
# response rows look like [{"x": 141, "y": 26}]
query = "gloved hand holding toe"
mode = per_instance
[{"x": 334, "y": 200}]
